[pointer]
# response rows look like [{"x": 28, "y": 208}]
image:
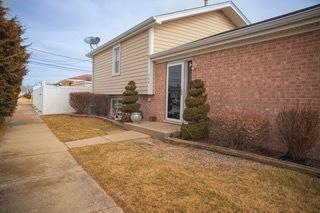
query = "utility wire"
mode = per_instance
[
  {"x": 59, "y": 55},
  {"x": 66, "y": 62},
  {"x": 58, "y": 64},
  {"x": 56, "y": 60}
]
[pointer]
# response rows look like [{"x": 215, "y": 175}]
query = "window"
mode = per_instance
[
  {"x": 116, "y": 60},
  {"x": 115, "y": 107}
]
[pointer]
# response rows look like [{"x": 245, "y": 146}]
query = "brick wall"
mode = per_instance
[
  {"x": 263, "y": 78},
  {"x": 260, "y": 79},
  {"x": 155, "y": 105}
]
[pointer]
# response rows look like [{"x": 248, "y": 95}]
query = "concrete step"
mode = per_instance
[{"x": 158, "y": 130}]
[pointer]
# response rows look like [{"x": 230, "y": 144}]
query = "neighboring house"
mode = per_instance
[
  {"x": 127, "y": 57},
  {"x": 80, "y": 81}
]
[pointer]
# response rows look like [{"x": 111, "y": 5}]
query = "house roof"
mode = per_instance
[
  {"x": 85, "y": 77},
  {"x": 283, "y": 23},
  {"x": 228, "y": 8}
]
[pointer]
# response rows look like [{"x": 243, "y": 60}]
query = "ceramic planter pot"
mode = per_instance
[{"x": 136, "y": 116}]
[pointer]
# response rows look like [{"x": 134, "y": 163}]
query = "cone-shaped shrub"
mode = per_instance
[
  {"x": 196, "y": 113},
  {"x": 129, "y": 101}
]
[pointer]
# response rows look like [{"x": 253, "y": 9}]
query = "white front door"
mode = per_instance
[{"x": 175, "y": 92}]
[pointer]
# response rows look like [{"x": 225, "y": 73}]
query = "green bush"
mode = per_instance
[
  {"x": 130, "y": 93},
  {"x": 195, "y": 102},
  {"x": 129, "y": 101},
  {"x": 196, "y": 91},
  {"x": 194, "y": 131},
  {"x": 134, "y": 107},
  {"x": 195, "y": 113}
]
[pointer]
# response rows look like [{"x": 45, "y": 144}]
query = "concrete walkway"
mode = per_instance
[
  {"x": 116, "y": 137},
  {"x": 37, "y": 174}
]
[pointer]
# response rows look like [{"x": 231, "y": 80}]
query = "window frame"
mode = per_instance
[
  {"x": 170, "y": 64},
  {"x": 111, "y": 104},
  {"x": 114, "y": 60}
]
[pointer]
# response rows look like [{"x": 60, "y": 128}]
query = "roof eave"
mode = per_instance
[
  {"x": 132, "y": 31},
  {"x": 236, "y": 16},
  {"x": 229, "y": 8},
  {"x": 229, "y": 36}
]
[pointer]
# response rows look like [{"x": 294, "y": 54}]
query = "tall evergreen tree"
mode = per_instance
[{"x": 13, "y": 59}]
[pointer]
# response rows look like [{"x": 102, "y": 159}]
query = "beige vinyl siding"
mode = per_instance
[
  {"x": 178, "y": 32},
  {"x": 133, "y": 66}
]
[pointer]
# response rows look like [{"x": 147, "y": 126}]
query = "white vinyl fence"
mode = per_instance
[{"x": 50, "y": 99}]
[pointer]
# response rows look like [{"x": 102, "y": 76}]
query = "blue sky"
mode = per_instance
[{"x": 59, "y": 26}]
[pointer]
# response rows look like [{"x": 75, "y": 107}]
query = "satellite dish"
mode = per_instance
[{"x": 92, "y": 40}]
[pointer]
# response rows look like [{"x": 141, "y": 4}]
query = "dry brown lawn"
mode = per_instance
[
  {"x": 69, "y": 128},
  {"x": 148, "y": 175}
]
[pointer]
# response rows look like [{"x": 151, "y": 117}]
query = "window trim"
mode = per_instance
[
  {"x": 111, "y": 107},
  {"x": 113, "y": 60}
]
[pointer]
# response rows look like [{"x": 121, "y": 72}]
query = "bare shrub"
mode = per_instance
[
  {"x": 238, "y": 130},
  {"x": 101, "y": 103},
  {"x": 299, "y": 130},
  {"x": 80, "y": 101},
  {"x": 27, "y": 95}
]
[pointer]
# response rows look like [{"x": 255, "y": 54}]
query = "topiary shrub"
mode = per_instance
[
  {"x": 195, "y": 113},
  {"x": 80, "y": 101},
  {"x": 299, "y": 130},
  {"x": 238, "y": 130},
  {"x": 129, "y": 101}
]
